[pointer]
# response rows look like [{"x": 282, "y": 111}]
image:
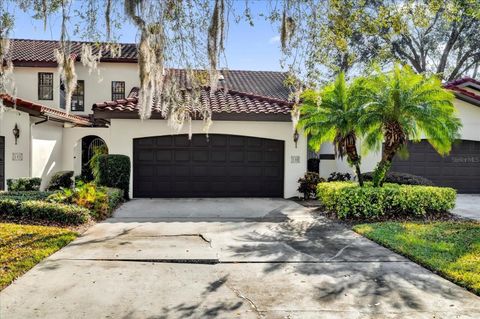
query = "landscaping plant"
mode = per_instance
[
  {"x": 400, "y": 106},
  {"x": 112, "y": 170},
  {"x": 62, "y": 179},
  {"x": 308, "y": 184},
  {"x": 401, "y": 178},
  {"x": 25, "y": 195},
  {"x": 339, "y": 177},
  {"x": 100, "y": 201},
  {"x": 348, "y": 200},
  {"x": 41, "y": 211},
  {"x": 24, "y": 184},
  {"x": 331, "y": 115}
]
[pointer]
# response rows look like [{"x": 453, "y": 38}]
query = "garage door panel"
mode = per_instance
[
  {"x": 236, "y": 156},
  {"x": 182, "y": 155},
  {"x": 146, "y": 155},
  {"x": 237, "y": 141},
  {"x": 217, "y": 166},
  {"x": 180, "y": 171},
  {"x": 254, "y": 156},
  {"x": 164, "y": 155},
  {"x": 200, "y": 156},
  {"x": 460, "y": 169},
  {"x": 181, "y": 140},
  {"x": 218, "y": 156}
]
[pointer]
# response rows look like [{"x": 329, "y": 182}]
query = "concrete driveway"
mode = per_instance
[
  {"x": 229, "y": 258},
  {"x": 468, "y": 205}
]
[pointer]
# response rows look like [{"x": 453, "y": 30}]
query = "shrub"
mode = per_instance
[
  {"x": 100, "y": 201},
  {"x": 348, "y": 200},
  {"x": 401, "y": 178},
  {"x": 115, "y": 198},
  {"x": 339, "y": 177},
  {"x": 112, "y": 171},
  {"x": 43, "y": 211},
  {"x": 308, "y": 184},
  {"x": 27, "y": 195},
  {"x": 24, "y": 184},
  {"x": 62, "y": 179}
]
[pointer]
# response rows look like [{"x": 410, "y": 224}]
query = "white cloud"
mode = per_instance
[{"x": 274, "y": 39}]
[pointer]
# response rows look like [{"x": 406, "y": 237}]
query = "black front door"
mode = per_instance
[{"x": 217, "y": 166}]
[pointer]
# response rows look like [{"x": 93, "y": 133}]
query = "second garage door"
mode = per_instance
[
  {"x": 460, "y": 170},
  {"x": 217, "y": 166}
]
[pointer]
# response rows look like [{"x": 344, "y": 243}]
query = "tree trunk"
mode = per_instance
[
  {"x": 395, "y": 138},
  {"x": 353, "y": 157}
]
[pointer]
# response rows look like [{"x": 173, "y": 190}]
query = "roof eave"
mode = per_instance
[{"x": 223, "y": 116}]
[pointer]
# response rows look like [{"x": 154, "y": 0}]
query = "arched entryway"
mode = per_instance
[{"x": 91, "y": 145}]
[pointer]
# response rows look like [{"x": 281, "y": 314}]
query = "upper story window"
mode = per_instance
[
  {"x": 118, "y": 90},
  {"x": 78, "y": 97},
  {"x": 45, "y": 86}
]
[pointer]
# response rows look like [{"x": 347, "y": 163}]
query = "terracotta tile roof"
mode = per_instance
[
  {"x": 222, "y": 102},
  {"x": 458, "y": 88},
  {"x": 263, "y": 83},
  {"x": 38, "y": 52},
  {"x": 42, "y": 110}
]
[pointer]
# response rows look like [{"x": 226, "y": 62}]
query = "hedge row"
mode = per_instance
[
  {"x": 24, "y": 184},
  {"x": 24, "y": 196},
  {"x": 43, "y": 211},
  {"x": 348, "y": 200}
]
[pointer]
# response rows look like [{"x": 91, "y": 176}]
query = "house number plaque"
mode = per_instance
[
  {"x": 295, "y": 159},
  {"x": 17, "y": 156}
]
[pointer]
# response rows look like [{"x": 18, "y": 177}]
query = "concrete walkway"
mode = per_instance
[
  {"x": 468, "y": 205},
  {"x": 229, "y": 258}
]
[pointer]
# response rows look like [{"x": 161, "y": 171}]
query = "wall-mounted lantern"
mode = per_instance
[
  {"x": 296, "y": 136},
  {"x": 16, "y": 133}
]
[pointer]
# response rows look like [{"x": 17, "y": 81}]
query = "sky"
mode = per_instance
[{"x": 247, "y": 48}]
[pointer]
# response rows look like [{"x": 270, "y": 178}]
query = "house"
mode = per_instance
[{"x": 251, "y": 148}]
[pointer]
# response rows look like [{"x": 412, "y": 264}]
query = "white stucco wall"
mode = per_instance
[
  {"x": 122, "y": 133},
  {"x": 46, "y": 149},
  {"x": 97, "y": 88},
  {"x": 17, "y": 156}
]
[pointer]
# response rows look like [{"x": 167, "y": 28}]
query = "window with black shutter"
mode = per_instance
[
  {"x": 118, "y": 90},
  {"x": 45, "y": 86}
]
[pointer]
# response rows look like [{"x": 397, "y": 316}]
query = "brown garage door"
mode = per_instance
[
  {"x": 217, "y": 166},
  {"x": 460, "y": 170},
  {"x": 2, "y": 163}
]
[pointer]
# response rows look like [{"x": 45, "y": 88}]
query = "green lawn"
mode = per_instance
[
  {"x": 23, "y": 246},
  {"x": 451, "y": 249}
]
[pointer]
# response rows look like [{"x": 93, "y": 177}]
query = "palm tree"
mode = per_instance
[
  {"x": 331, "y": 115},
  {"x": 402, "y": 105}
]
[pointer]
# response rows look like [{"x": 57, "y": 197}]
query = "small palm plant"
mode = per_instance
[
  {"x": 331, "y": 115},
  {"x": 401, "y": 105}
]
